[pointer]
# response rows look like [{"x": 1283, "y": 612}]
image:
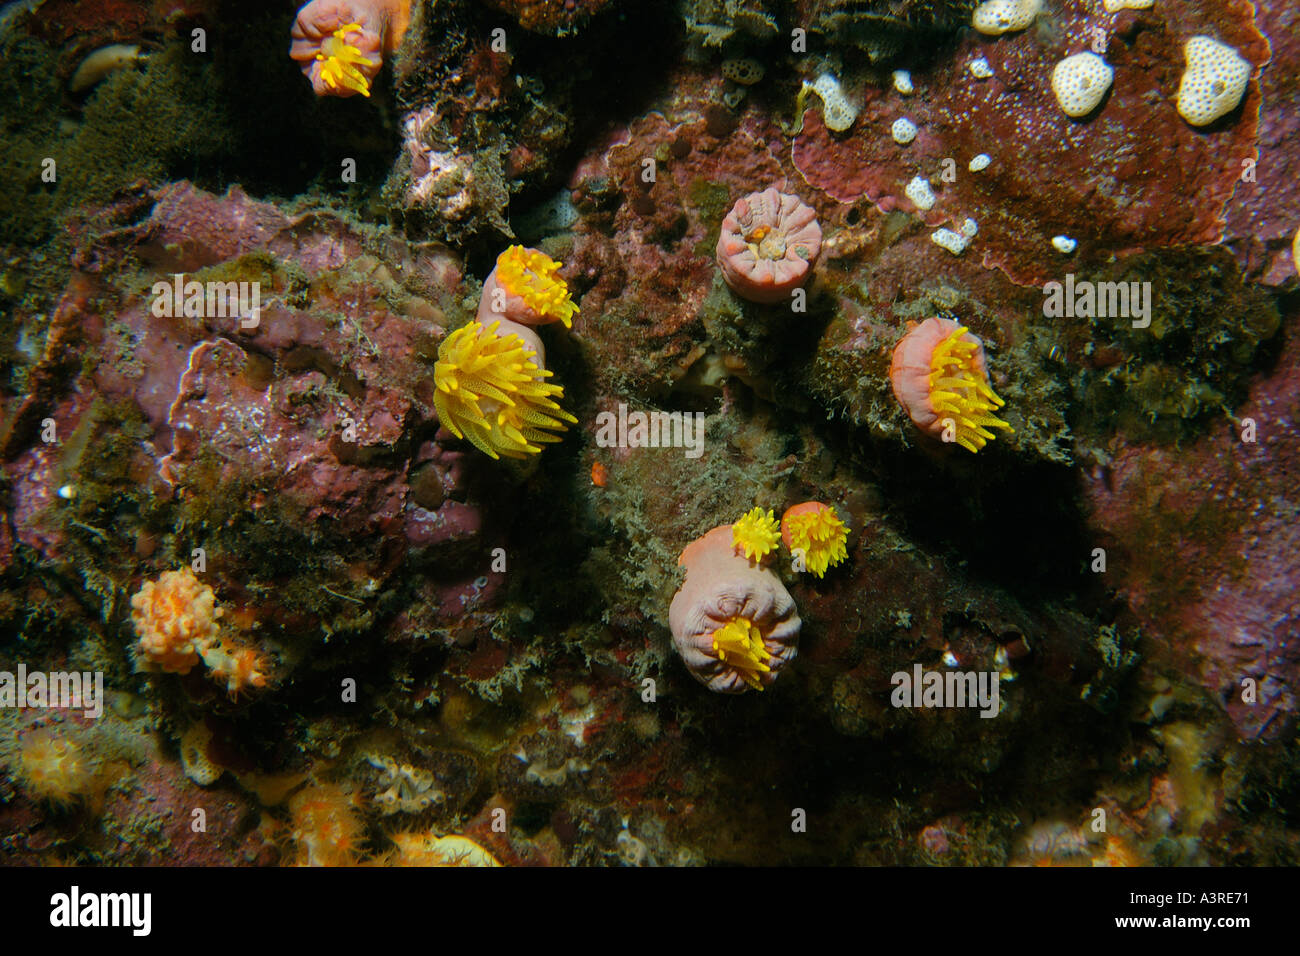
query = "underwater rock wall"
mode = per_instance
[{"x": 232, "y": 311}]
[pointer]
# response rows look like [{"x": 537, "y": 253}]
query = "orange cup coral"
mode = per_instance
[
  {"x": 939, "y": 376},
  {"x": 491, "y": 388},
  {"x": 816, "y": 531},
  {"x": 769, "y": 244},
  {"x": 733, "y": 622},
  {"x": 341, "y": 43},
  {"x": 327, "y": 828},
  {"x": 524, "y": 287},
  {"x": 756, "y": 534}
]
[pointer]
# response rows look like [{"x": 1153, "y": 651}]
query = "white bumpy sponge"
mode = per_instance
[
  {"x": 1080, "y": 81},
  {"x": 1213, "y": 83}
]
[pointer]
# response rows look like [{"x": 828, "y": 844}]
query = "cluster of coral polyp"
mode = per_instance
[
  {"x": 177, "y": 620},
  {"x": 491, "y": 378},
  {"x": 334, "y": 453},
  {"x": 733, "y": 621}
]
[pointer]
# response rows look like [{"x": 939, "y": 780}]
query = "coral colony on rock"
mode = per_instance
[{"x": 491, "y": 432}]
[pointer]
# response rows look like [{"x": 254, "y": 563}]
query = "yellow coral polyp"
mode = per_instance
[
  {"x": 821, "y": 536},
  {"x": 739, "y": 645},
  {"x": 756, "y": 534},
  {"x": 55, "y": 768},
  {"x": 531, "y": 275},
  {"x": 339, "y": 59},
  {"x": 960, "y": 391},
  {"x": 490, "y": 391}
]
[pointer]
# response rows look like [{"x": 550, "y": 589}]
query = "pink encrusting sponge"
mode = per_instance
[
  {"x": 769, "y": 244},
  {"x": 733, "y": 621}
]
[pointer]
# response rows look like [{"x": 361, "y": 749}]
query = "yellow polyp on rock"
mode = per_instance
[
  {"x": 490, "y": 391},
  {"x": 960, "y": 391},
  {"x": 739, "y": 645},
  {"x": 756, "y": 534},
  {"x": 821, "y": 536},
  {"x": 339, "y": 59},
  {"x": 531, "y": 275}
]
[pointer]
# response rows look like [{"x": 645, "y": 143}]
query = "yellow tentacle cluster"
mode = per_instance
[
  {"x": 531, "y": 275},
  {"x": 821, "y": 536},
  {"x": 739, "y": 645},
  {"x": 756, "y": 534},
  {"x": 960, "y": 390},
  {"x": 339, "y": 58},
  {"x": 490, "y": 391}
]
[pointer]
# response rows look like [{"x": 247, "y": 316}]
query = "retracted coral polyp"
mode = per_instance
[{"x": 768, "y": 246}]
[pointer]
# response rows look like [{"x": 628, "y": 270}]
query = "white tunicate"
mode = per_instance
[
  {"x": 980, "y": 69},
  {"x": 970, "y": 229},
  {"x": 996, "y": 17},
  {"x": 903, "y": 82},
  {"x": 838, "y": 113},
  {"x": 919, "y": 191},
  {"x": 979, "y": 162},
  {"x": 1080, "y": 81},
  {"x": 1064, "y": 244},
  {"x": 954, "y": 242},
  {"x": 903, "y": 131},
  {"x": 1115, "y": 6},
  {"x": 1213, "y": 83}
]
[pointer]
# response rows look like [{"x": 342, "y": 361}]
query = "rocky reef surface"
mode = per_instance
[{"x": 327, "y": 619}]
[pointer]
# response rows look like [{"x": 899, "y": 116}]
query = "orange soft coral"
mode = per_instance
[
  {"x": 237, "y": 666},
  {"x": 326, "y": 826},
  {"x": 175, "y": 617}
]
